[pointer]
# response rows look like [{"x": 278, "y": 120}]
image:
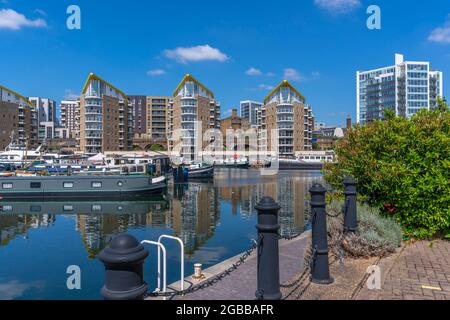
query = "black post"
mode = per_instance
[
  {"x": 124, "y": 262},
  {"x": 350, "y": 215},
  {"x": 268, "y": 286},
  {"x": 320, "y": 271}
]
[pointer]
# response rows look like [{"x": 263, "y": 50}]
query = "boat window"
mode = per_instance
[
  {"x": 35, "y": 208},
  {"x": 120, "y": 183},
  {"x": 7, "y": 185},
  {"x": 133, "y": 169},
  {"x": 140, "y": 168},
  {"x": 68, "y": 184},
  {"x": 96, "y": 184},
  {"x": 6, "y": 208},
  {"x": 35, "y": 185}
]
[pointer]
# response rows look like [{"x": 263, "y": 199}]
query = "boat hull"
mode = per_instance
[
  {"x": 297, "y": 165},
  {"x": 233, "y": 165},
  {"x": 202, "y": 173},
  {"x": 83, "y": 187}
]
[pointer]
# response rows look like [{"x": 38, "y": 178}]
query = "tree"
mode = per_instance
[
  {"x": 442, "y": 104},
  {"x": 156, "y": 147},
  {"x": 401, "y": 165}
]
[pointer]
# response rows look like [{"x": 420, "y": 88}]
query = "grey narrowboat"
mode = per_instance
[{"x": 80, "y": 186}]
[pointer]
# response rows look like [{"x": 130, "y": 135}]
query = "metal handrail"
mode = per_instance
[
  {"x": 160, "y": 246},
  {"x": 182, "y": 255}
]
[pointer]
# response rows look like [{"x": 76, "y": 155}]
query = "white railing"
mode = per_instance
[
  {"x": 160, "y": 247},
  {"x": 180, "y": 242}
]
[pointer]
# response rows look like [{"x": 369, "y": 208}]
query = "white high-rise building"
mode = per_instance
[
  {"x": 404, "y": 88},
  {"x": 46, "y": 114},
  {"x": 249, "y": 111}
]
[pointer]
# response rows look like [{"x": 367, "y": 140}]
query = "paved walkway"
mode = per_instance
[
  {"x": 241, "y": 283},
  {"x": 417, "y": 271},
  {"x": 420, "y": 271}
]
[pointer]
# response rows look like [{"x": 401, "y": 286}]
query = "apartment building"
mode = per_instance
[
  {"x": 405, "y": 88},
  {"x": 70, "y": 117},
  {"x": 18, "y": 119},
  {"x": 192, "y": 111},
  {"x": 46, "y": 115},
  {"x": 106, "y": 118},
  {"x": 285, "y": 122},
  {"x": 139, "y": 107},
  {"x": 157, "y": 107},
  {"x": 249, "y": 111}
]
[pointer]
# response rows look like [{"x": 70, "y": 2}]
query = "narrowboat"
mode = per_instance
[
  {"x": 157, "y": 204},
  {"x": 78, "y": 186}
]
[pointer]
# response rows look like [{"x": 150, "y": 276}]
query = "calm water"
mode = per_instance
[{"x": 216, "y": 220}]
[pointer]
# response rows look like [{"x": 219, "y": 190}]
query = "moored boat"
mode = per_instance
[
  {"x": 200, "y": 171},
  {"x": 80, "y": 186},
  {"x": 193, "y": 171},
  {"x": 233, "y": 163}
]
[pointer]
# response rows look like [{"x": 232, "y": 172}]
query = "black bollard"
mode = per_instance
[
  {"x": 350, "y": 215},
  {"x": 124, "y": 264},
  {"x": 320, "y": 271},
  {"x": 268, "y": 285}
]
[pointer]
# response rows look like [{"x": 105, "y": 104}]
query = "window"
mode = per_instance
[
  {"x": 35, "y": 208},
  {"x": 7, "y": 185},
  {"x": 35, "y": 185},
  {"x": 6, "y": 208},
  {"x": 96, "y": 184},
  {"x": 68, "y": 185}
]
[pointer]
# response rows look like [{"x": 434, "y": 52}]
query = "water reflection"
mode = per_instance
[
  {"x": 195, "y": 213},
  {"x": 215, "y": 219},
  {"x": 191, "y": 210}
]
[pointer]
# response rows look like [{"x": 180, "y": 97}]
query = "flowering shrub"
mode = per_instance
[{"x": 402, "y": 167}]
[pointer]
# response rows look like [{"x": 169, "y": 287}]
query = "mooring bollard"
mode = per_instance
[
  {"x": 124, "y": 265},
  {"x": 268, "y": 284},
  {"x": 350, "y": 215},
  {"x": 320, "y": 271}
]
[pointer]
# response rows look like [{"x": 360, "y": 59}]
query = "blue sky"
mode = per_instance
[{"x": 238, "y": 49}]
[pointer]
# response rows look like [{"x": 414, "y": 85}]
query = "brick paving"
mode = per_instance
[
  {"x": 241, "y": 284},
  {"x": 417, "y": 271},
  {"x": 420, "y": 271}
]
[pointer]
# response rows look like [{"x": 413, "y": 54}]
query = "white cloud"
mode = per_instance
[
  {"x": 292, "y": 74},
  {"x": 156, "y": 72},
  {"x": 70, "y": 95},
  {"x": 338, "y": 6},
  {"x": 196, "y": 54},
  {"x": 253, "y": 72},
  {"x": 12, "y": 20},
  {"x": 265, "y": 87},
  {"x": 41, "y": 12},
  {"x": 441, "y": 34}
]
